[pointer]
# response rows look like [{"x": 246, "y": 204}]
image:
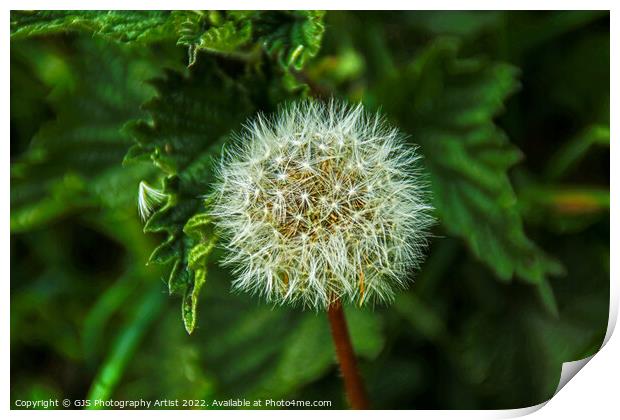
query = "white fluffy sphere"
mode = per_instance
[{"x": 321, "y": 202}]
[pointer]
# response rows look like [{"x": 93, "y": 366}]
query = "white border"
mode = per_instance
[{"x": 593, "y": 394}]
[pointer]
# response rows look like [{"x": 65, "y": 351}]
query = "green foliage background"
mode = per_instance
[{"x": 510, "y": 109}]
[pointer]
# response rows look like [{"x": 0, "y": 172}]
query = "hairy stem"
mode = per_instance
[{"x": 354, "y": 387}]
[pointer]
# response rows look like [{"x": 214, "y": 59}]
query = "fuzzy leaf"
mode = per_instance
[
  {"x": 198, "y": 226},
  {"x": 189, "y": 118},
  {"x": 223, "y": 34},
  {"x": 291, "y": 37},
  {"x": 449, "y": 107},
  {"x": 190, "y": 299},
  {"x": 142, "y": 25},
  {"x": 165, "y": 252},
  {"x": 199, "y": 253}
]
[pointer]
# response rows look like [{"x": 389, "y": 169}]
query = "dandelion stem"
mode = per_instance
[{"x": 354, "y": 387}]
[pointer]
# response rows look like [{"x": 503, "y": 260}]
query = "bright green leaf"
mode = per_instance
[
  {"x": 135, "y": 25},
  {"x": 190, "y": 117}
]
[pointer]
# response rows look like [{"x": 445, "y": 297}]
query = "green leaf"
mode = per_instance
[
  {"x": 73, "y": 161},
  {"x": 126, "y": 26},
  {"x": 421, "y": 316},
  {"x": 197, "y": 260},
  {"x": 190, "y": 299},
  {"x": 307, "y": 355},
  {"x": 365, "y": 331},
  {"x": 448, "y": 105},
  {"x": 292, "y": 37},
  {"x": 190, "y": 117},
  {"x": 198, "y": 226},
  {"x": 223, "y": 34},
  {"x": 165, "y": 252},
  {"x": 199, "y": 253},
  {"x": 491, "y": 347}
]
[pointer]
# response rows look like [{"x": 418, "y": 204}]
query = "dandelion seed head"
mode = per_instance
[{"x": 341, "y": 211}]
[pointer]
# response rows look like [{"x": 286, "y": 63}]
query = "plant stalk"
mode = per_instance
[{"x": 354, "y": 387}]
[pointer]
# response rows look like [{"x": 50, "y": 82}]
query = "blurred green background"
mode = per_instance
[{"x": 511, "y": 110}]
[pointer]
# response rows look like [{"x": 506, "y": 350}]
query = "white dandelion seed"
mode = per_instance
[
  {"x": 148, "y": 199},
  {"x": 346, "y": 217}
]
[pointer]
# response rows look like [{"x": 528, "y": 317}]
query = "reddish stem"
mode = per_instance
[{"x": 354, "y": 387}]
